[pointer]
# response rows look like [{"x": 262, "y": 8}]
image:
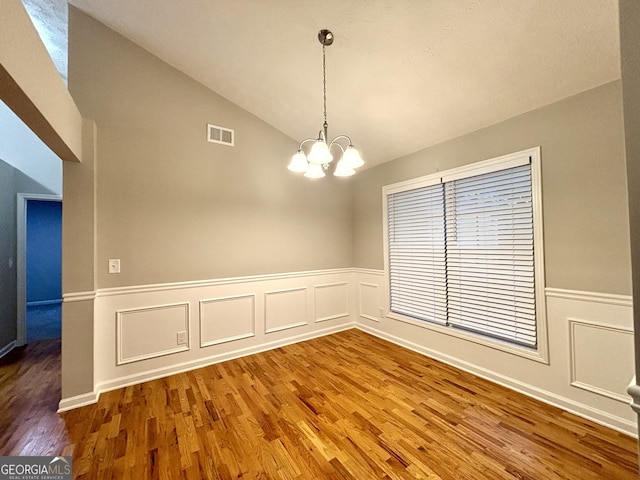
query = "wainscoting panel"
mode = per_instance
[
  {"x": 589, "y": 370},
  {"x": 148, "y": 332},
  {"x": 369, "y": 304},
  {"x": 285, "y": 309},
  {"x": 135, "y": 327},
  {"x": 331, "y": 301},
  {"x": 227, "y": 319}
]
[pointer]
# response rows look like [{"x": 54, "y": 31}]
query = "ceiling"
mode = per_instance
[
  {"x": 401, "y": 75},
  {"x": 50, "y": 19}
]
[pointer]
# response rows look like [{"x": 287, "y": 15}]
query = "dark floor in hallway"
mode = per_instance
[
  {"x": 44, "y": 322},
  {"x": 30, "y": 392}
]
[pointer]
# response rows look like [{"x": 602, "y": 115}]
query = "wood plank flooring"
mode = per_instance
[
  {"x": 29, "y": 394},
  {"x": 345, "y": 406}
]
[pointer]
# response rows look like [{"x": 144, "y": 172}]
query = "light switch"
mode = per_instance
[{"x": 114, "y": 265}]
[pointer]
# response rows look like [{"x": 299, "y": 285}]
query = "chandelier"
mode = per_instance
[{"x": 316, "y": 162}]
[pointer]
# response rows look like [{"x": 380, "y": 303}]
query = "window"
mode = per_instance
[{"x": 464, "y": 251}]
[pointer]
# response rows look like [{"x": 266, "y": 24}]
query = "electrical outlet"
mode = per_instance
[
  {"x": 381, "y": 313},
  {"x": 182, "y": 338},
  {"x": 114, "y": 265}
]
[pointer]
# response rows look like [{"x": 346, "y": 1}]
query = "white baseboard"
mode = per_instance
[
  {"x": 78, "y": 401},
  {"x": 598, "y": 416},
  {"x": 7, "y": 348}
]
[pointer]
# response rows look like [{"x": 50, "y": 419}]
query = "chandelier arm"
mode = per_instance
[
  {"x": 305, "y": 141},
  {"x": 335, "y": 139},
  {"x": 337, "y": 144}
]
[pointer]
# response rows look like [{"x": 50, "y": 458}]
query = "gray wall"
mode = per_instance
[
  {"x": 586, "y": 223},
  {"x": 173, "y": 207},
  {"x": 78, "y": 269},
  {"x": 12, "y": 182}
]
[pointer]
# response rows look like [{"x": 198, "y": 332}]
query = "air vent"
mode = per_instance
[{"x": 216, "y": 134}]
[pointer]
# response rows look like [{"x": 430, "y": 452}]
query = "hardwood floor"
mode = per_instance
[
  {"x": 29, "y": 392},
  {"x": 345, "y": 406}
]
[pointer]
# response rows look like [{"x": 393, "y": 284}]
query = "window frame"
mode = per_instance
[{"x": 541, "y": 352}]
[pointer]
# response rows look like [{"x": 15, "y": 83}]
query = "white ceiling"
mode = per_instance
[{"x": 401, "y": 75}]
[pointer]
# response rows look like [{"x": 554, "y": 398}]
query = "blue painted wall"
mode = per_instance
[{"x": 44, "y": 251}]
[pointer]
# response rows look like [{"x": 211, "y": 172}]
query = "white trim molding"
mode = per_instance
[
  {"x": 78, "y": 296},
  {"x": 574, "y": 360},
  {"x": 78, "y": 401},
  {"x": 7, "y": 348},
  {"x": 280, "y": 311},
  {"x": 104, "y": 292},
  {"x": 332, "y": 316},
  {"x": 183, "y": 309},
  {"x": 368, "y": 271},
  {"x": 230, "y": 338},
  {"x": 634, "y": 392},
  {"x": 362, "y": 308},
  {"x": 606, "y": 298}
]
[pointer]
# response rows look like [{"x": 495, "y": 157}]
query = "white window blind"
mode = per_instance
[
  {"x": 417, "y": 253},
  {"x": 461, "y": 254},
  {"x": 490, "y": 278}
]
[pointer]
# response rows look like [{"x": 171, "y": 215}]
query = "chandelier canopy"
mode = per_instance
[{"x": 315, "y": 163}]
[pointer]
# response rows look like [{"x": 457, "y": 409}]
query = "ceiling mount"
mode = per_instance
[{"x": 325, "y": 37}]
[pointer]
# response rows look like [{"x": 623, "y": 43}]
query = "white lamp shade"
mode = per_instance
[
  {"x": 320, "y": 153},
  {"x": 351, "y": 158},
  {"x": 314, "y": 171},
  {"x": 298, "y": 162},
  {"x": 342, "y": 171}
]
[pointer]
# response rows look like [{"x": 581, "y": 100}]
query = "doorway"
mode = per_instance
[{"x": 39, "y": 268}]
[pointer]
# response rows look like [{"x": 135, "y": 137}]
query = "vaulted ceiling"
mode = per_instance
[{"x": 401, "y": 74}]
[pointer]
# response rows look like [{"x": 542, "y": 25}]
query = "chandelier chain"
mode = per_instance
[{"x": 324, "y": 83}]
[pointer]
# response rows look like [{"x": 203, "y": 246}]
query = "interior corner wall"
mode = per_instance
[
  {"x": 12, "y": 182},
  {"x": 586, "y": 225},
  {"x": 173, "y": 207}
]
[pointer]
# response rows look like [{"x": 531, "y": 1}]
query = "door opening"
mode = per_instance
[{"x": 39, "y": 267}]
